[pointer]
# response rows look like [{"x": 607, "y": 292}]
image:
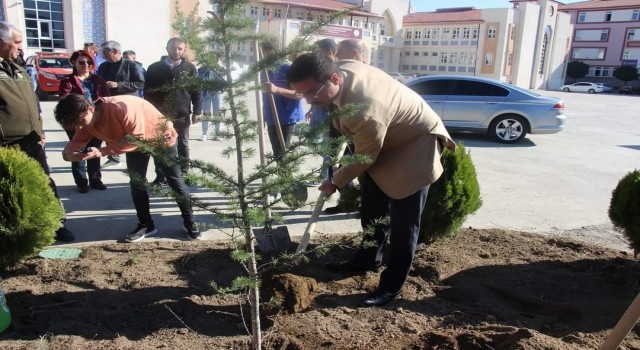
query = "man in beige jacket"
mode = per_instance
[{"x": 402, "y": 138}]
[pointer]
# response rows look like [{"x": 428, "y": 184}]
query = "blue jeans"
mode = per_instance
[
  {"x": 211, "y": 104},
  {"x": 137, "y": 163},
  {"x": 90, "y": 167}
]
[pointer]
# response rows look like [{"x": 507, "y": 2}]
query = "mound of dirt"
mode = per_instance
[{"x": 483, "y": 289}]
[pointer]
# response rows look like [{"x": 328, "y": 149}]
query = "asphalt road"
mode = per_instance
[{"x": 551, "y": 184}]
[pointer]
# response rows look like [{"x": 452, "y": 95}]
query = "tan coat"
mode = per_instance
[{"x": 395, "y": 128}]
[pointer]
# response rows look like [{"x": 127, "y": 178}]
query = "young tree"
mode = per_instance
[
  {"x": 212, "y": 40},
  {"x": 626, "y": 73},
  {"x": 577, "y": 70}
]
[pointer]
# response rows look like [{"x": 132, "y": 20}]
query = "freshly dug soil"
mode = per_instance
[{"x": 483, "y": 289}]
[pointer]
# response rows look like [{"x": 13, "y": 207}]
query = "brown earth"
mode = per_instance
[{"x": 483, "y": 289}]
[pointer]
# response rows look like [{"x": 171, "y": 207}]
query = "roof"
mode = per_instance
[
  {"x": 326, "y": 5},
  {"x": 465, "y": 15},
  {"x": 600, "y": 4}
]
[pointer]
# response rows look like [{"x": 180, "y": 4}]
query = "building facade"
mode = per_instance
[
  {"x": 606, "y": 35},
  {"x": 525, "y": 45}
]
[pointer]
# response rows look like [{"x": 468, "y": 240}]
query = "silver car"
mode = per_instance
[{"x": 483, "y": 105}]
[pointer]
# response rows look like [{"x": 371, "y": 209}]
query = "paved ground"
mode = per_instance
[{"x": 556, "y": 184}]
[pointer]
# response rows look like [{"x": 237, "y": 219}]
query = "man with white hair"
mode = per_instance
[
  {"x": 20, "y": 121},
  {"x": 123, "y": 77}
]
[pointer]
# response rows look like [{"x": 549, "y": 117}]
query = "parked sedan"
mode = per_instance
[
  {"x": 504, "y": 111},
  {"x": 591, "y": 88}
]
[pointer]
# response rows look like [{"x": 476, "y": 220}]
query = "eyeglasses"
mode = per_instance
[
  {"x": 313, "y": 93},
  {"x": 83, "y": 63}
]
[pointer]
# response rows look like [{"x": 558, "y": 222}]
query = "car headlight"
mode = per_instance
[{"x": 48, "y": 75}]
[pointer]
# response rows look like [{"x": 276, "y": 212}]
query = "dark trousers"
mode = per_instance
[
  {"x": 34, "y": 149},
  {"x": 91, "y": 167},
  {"x": 287, "y": 132},
  {"x": 137, "y": 164},
  {"x": 402, "y": 228},
  {"x": 182, "y": 143}
]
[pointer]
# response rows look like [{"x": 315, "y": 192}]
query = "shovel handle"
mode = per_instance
[
  {"x": 313, "y": 220},
  {"x": 624, "y": 326}
]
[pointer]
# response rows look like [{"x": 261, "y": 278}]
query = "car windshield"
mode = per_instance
[{"x": 54, "y": 62}]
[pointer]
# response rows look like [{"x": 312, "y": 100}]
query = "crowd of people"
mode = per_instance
[{"x": 100, "y": 102}]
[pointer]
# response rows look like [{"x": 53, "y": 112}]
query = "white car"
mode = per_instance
[
  {"x": 398, "y": 76},
  {"x": 591, "y": 88}
]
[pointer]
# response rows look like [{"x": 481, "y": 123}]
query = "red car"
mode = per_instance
[{"x": 49, "y": 68}]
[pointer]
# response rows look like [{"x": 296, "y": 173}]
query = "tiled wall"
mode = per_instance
[{"x": 94, "y": 21}]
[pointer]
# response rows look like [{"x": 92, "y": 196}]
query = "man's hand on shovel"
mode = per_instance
[{"x": 327, "y": 188}]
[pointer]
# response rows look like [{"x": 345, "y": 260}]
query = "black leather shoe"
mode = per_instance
[
  {"x": 377, "y": 298},
  {"x": 98, "y": 185},
  {"x": 350, "y": 266}
]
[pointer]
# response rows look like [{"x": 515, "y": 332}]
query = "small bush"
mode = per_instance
[
  {"x": 30, "y": 213},
  {"x": 455, "y": 195},
  {"x": 624, "y": 210}
]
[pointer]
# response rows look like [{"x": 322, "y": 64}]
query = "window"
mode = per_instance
[
  {"x": 300, "y": 15},
  {"x": 309, "y": 16},
  {"x": 407, "y": 53},
  {"x": 382, "y": 29},
  {"x": 277, "y": 13},
  {"x": 453, "y": 57},
  {"x": 432, "y": 87},
  {"x": 604, "y": 35},
  {"x": 445, "y": 33},
  {"x": 588, "y": 53},
  {"x": 474, "y": 33},
  {"x": 491, "y": 33},
  {"x": 416, "y": 53},
  {"x": 631, "y": 35},
  {"x": 427, "y": 33},
  {"x": 592, "y": 35},
  {"x": 600, "y": 72},
  {"x": 320, "y": 18},
  {"x": 436, "y": 33},
  {"x": 356, "y": 23},
  {"x": 626, "y": 54},
  {"x": 582, "y": 16},
  {"x": 512, "y": 33},
  {"x": 455, "y": 34},
  {"x": 266, "y": 12},
  {"x": 607, "y": 16},
  {"x": 434, "y": 54},
  {"x": 425, "y": 53},
  {"x": 443, "y": 57},
  {"x": 635, "y": 15},
  {"x": 488, "y": 59},
  {"x": 463, "y": 58},
  {"x": 472, "y": 58},
  {"x": 478, "y": 88},
  {"x": 380, "y": 55},
  {"x": 417, "y": 34},
  {"x": 408, "y": 34},
  {"x": 465, "y": 33},
  {"x": 254, "y": 11},
  {"x": 44, "y": 24}
]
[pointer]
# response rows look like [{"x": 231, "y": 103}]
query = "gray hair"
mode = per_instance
[
  {"x": 111, "y": 45},
  {"x": 6, "y": 31}
]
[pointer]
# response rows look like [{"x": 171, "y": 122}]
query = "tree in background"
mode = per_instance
[
  {"x": 577, "y": 70},
  {"x": 624, "y": 209},
  {"x": 626, "y": 73}
]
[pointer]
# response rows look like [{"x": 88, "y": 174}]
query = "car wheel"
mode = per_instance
[
  {"x": 42, "y": 96},
  {"x": 508, "y": 128},
  {"x": 591, "y": 91},
  {"x": 566, "y": 90}
]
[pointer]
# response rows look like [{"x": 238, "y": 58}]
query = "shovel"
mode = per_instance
[{"x": 313, "y": 220}]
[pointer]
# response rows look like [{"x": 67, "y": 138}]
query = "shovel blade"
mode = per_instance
[{"x": 274, "y": 240}]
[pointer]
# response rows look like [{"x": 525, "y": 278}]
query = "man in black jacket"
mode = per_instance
[
  {"x": 177, "y": 104},
  {"x": 20, "y": 121},
  {"x": 123, "y": 77}
]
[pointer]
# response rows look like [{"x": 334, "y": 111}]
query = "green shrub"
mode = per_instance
[
  {"x": 455, "y": 195},
  {"x": 624, "y": 210},
  {"x": 30, "y": 213}
]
